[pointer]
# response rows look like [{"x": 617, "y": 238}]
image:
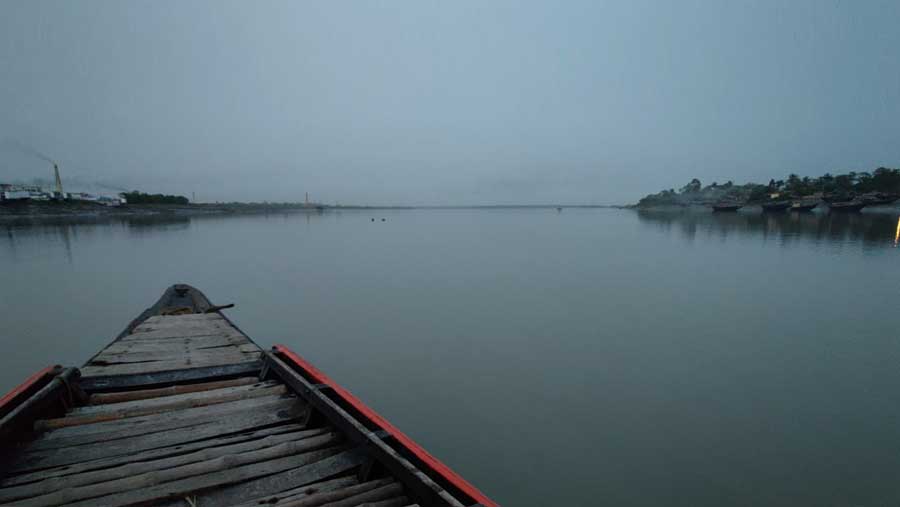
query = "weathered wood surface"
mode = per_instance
[
  {"x": 235, "y": 492},
  {"x": 54, "y": 457},
  {"x": 109, "y": 431},
  {"x": 135, "y": 467},
  {"x": 177, "y": 342},
  {"x": 152, "y": 454},
  {"x": 176, "y": 411},
  {"x": 218, "y": 462},
  {"x": 297, "y": 493},
  {"x": 103, "y": 398},
  {"x": 217, "y": 477},
  {"x": 107, "y": 383},
  {"x": 94, "y": 414}
]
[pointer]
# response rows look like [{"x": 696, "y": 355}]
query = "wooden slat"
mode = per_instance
[
  {"x": 234, "y": 492},
  {"x": 112, "y": 430},
  {"x": 236, "y": 423},
  {"x": 387, "y": 492},
  {"x": 124, "y": 396},
  {"x": 171, "y": 354},
  {"x": 173, "y": 365},
  {"x": 193, "y": 342},
  {"x": 268, "y": 459},
  {"x": 153, "y": 454},
  {"x": 137, "y": 467},
  {"x": 179, "y": 489},
  {"x": 144, "y": 352},
  {"x": 279, "y": 498},
  {"x": 144, "y": 380},
  {"x": 323, "y": 497},
  {"x": 132, "y": 445},
  {"x": 94, "y": 414},
  {"x": 157, "y": 320}
]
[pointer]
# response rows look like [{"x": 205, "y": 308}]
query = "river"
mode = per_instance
[{"x": 582, "y": 357}]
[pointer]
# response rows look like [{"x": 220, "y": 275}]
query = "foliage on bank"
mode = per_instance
[
  {"x": 135, "y": 197},
  {"x": 882, "y": 180}
]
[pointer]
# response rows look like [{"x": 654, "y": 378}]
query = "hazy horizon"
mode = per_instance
[{"x": 412, "y": 103}]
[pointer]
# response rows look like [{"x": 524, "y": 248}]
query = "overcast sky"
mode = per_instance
[{"x": 446, "y": 102}]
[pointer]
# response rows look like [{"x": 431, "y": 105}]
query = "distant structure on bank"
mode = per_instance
[{"x": 10, "y": 192}]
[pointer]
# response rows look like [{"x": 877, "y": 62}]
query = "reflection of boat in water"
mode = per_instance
[
  {"x": 879, "y": 199},
  {"x": 847, "y": 206},
  {"x": 775, "y": 206},
  {"x": 727, "y": 206},
  {"x": 804, "y": 205}
]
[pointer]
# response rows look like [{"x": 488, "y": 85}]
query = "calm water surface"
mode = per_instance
[{"x": 580, "y": 358}]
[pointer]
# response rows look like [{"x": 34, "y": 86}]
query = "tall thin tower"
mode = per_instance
[{"x": 58, "y": 189}]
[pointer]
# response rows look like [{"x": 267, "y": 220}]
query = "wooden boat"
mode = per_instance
[
  {"x": 726, "y": 206},
  {"x": 804, "y": 205},
  {"x": 182, "y": 408},
  {"x": 847, "y": 206},
  {"x": 879, "y": 199},
  {"x": 775, "y": 206}
]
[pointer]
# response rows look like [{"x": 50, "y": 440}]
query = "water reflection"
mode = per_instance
[
  {"x": 897, "y": 234},
  {"x": 871, "y": 229},
  {"x": 65, "y": 231}
]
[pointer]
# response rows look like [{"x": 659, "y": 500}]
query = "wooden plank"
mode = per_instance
[
  {"x": 94, "y": 414},
  {"x": 179, "y": 334},
  {"x": 319, "y": 497},
  {"x": 172, "y": 356},
  {"x": 177, "y": 364},
  {"x": 200, "y": 395},
  {"x": 237, "y": 423},
  {"x": 137, "y": 467},
  {"x": 181, "y": 448},
  {"x": 386, "y": 492},
  {"x": 112, "y": 430},
  {"x": 279, "y": 498},
  {"x": 195, "y": 342},
  {"x": 157, "y": 320},
  {"x": 205, "y": 346},
  {"x": 123, "y": 396},
  {"x": 233, "y": 492},
  {"x": 138, "y": 487},
  {"x": 208, "y": 373},
  {"x": 179, "y": 489},
  {"x": 398, "y": 501}
]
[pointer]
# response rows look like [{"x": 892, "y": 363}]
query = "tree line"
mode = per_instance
[
  {"x": 135, "y": 197},
  {"x": 841, "y": 186}
]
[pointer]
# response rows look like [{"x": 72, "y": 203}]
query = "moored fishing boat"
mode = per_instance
[
  {"x": 726, "y": 206},
  {"x": 847, "y": 206},
  {"x": 804, "y": 205},
  {"x": 775, "y": 206},
  {"x": 878, "y": 199},
  {"x": 182, "y": 408}
]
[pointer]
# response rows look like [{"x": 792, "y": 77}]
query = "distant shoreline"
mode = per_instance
[{"x": 37, "y": 210}]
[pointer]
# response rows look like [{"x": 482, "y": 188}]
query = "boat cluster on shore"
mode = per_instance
[{"x": 808, "y": 203}]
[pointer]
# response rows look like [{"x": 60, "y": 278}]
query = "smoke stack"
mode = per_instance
[{"x": 59, "y": 187}]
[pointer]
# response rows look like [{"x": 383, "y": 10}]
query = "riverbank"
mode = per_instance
[{"x": 40, "y": 210}]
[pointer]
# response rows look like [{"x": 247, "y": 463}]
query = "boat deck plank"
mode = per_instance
[{"x": 177, "y": 342}]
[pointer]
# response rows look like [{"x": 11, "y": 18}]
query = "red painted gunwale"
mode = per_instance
[
  {"x": 24, "y": 386},
  {"x": 435, "y": 464}
]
